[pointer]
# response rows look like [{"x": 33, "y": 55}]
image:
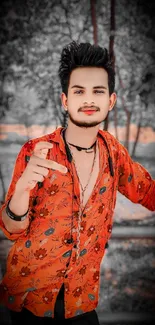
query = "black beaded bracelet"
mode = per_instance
[{"x": 14, "y": 216}]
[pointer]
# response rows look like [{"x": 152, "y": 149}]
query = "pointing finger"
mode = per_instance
[{"x": 59, "y": 167}]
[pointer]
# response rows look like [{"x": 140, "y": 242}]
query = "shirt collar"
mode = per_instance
[{"x": 57, "y": 137}]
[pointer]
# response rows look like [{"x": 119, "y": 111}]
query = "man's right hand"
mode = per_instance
[{"x": 38, "y": 167}]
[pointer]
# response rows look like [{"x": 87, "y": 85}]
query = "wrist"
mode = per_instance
[
  {"x": 19, "y": 203},
  {"x": 13, "y": 216},
  {"x": 20, "y": 191}
]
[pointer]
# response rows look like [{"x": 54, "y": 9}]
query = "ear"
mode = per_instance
[
  {"x": 64, "y": 101},
  {"x": 112, "y": 101}
]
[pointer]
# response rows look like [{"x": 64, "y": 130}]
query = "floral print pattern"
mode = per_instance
[{"x": 44, "y": 256}]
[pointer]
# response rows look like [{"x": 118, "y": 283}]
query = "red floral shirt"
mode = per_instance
[{"x": 45, "y": 255}]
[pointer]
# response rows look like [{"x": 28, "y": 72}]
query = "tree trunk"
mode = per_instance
[
  {"x": 127, "y": 130},
  {"x": 94, "y": 23},
  {"x": 112, "y": 32},
  {"x": 137, "y": 136},
  {"x": 115, "y": 122},
  {"x": 127, "y": 112},
  {"x": 111, "y": 47}
]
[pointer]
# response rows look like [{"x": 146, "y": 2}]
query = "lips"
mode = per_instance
[{"x": 89, "y": 111}]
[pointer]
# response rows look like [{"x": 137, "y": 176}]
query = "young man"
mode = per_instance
[{"x": 60, "y": 203}]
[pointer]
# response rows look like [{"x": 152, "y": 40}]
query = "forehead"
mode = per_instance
[{"x": 88, "y": 76}]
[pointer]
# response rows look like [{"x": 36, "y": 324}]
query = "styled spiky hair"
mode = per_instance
[{"x": 76, "y": 55}]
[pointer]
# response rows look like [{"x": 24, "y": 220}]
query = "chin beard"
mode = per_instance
[{"x": 84, "y": 124}]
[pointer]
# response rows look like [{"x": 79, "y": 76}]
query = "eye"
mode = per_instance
[
  {"x": 78, "y": 91},
  {"x": 99, "y": 91}
]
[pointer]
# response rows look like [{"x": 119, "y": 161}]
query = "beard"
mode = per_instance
[{"x": 85, "y": 124}]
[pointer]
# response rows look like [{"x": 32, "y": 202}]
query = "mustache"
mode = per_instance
[{"x": 87, "y": 106}]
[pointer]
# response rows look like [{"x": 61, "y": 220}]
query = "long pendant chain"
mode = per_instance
[
  {"x": 81, "y": 204},
  {"x": 83, "y": 189}
]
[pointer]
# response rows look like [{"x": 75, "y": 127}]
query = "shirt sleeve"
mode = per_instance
[
  {"x": 135, "y": 182},
  {"x": 19, "y": 167}
]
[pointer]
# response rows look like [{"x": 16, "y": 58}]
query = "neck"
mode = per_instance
[{"x": 82, "y": 137}]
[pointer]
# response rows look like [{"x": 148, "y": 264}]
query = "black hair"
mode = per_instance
[{"x": 76, "y": 55}]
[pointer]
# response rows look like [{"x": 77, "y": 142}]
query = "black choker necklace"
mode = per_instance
[{"x": 81, "y": 148}]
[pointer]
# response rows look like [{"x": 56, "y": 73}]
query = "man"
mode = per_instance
[{"x": 60, "y": 203}]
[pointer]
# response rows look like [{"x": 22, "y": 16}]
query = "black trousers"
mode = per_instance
[{"x": 25, "y": 316}]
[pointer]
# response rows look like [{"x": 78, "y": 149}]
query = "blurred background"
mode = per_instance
[{"x": 32, "y": 34}]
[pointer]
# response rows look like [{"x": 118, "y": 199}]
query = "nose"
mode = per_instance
[{"x": 88, "y": 103}]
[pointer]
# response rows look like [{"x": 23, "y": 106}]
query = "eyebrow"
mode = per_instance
[{"x": 95, "y": 87}]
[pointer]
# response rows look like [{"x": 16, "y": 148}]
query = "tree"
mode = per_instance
[{"x": 111, "y": 54}]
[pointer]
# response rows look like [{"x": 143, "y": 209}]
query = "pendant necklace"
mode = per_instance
[{"x": 81, "y": 207}]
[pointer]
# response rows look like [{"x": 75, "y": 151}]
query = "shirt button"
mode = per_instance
[
  {"x": 75, "y": 197},
  {"x": 75, "y": 246},
  {"x": 84, "y": 215}
]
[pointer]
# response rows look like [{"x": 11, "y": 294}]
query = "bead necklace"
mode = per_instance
[{"x": 87, "y": 150}]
